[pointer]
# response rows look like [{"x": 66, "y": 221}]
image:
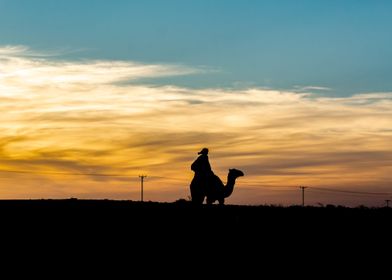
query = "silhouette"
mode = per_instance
[
  {"x": 206, "y": 184},
  {"x": 203, "y": 175},
  {"x": 216, "y": 191}
]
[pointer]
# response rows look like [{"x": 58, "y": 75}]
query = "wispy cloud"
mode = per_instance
[
  {"x": 68, "y": 116},
  {"x": 312, "y": 88},
  {"x": 19, "y": 68},
  {"x": 24, "y": 51}
]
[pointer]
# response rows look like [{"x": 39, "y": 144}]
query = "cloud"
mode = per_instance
[
  {"x": 312, "y": 88},
  {"x": 73, "y": 116},
  {"x": 21, "y": 66},
  {"x": 7, "y": 52}
]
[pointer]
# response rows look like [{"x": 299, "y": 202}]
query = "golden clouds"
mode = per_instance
[{"x": 81, "y": 117}]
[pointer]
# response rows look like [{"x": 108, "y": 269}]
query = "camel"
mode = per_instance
[{"x": 214, "y": 190}]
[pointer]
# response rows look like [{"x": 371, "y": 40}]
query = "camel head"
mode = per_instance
[{"x": 235, "y": 173}]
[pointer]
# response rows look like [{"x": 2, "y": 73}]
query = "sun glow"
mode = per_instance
[{"x": 79, "y": 117}]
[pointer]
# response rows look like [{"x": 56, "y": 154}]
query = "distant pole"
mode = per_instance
[
  {"x": 387, "y": 202},
  {"x": 303, "y": 195},
  {"x": 141, "y": 186}
]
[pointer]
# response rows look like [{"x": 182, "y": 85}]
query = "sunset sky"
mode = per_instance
[{"x": 94, "y": 93}]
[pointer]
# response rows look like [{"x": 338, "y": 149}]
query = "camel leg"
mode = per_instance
[
  {"x": 210, "y": 201},
  {"x": 196, "y": 194},
  {"x": 221, "y": 201},
  {"x": 197, "y": 199}
]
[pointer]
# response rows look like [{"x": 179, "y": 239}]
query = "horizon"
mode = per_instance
[{"x": 95, "y": 94}]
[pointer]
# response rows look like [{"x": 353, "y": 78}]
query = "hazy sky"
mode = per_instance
[{"x": 291, "y": 92}]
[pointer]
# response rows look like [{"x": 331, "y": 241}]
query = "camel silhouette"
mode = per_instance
[{"x": 214, "y": 189}]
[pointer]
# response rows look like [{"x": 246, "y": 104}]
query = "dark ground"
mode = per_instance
[
  {"x": 136, "y": 217},
  {"x": 181, "y": 236}
]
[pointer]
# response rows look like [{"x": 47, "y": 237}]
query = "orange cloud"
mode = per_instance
[{"x": 77, "y": 117}]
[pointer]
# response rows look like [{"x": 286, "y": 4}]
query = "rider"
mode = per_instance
[
  {"x": 201, "y": 165},
  {"x": 203, "y": 173}
]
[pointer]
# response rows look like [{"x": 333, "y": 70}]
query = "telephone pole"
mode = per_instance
[
  {"x": 387, "y": 202},
  {"x": 303, "y": 195},
  {"x": 141, "y": 186}
]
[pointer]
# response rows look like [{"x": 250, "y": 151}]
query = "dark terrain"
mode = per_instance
[
  {"x": 250, "y": 239},
  {"x": 137, "y": 217}
]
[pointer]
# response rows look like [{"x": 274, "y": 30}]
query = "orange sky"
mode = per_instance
[{"x": 62, "y": 116}]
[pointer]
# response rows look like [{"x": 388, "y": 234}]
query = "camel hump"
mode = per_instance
[{"x": 216, "y": 180}]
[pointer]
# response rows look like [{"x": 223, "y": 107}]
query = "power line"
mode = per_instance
[
  {"x": 82, "y": 174},
  {"x": 172, "y": 178},
  {"x": 287, "y": 188},
  {"x": 291, "y": 188},
  {"x": 63, "y": 173},
  {"x": 349, "y": 192}
]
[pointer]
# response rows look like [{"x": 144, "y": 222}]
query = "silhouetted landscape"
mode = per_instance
[
  {"x": 201, "y": 103},
  {"x": 133, "y": 216},
  {"x": 135, "y": 233}
]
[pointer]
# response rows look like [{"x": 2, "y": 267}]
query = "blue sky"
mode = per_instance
[
  {"x": 293, "y": 93},
  {"x": 280, "y": 44}
]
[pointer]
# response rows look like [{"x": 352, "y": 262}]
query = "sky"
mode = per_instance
[{"x": 294, "y": 93}]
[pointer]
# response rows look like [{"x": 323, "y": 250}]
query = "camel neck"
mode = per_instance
[
  {"x": 230, "y": 180},
  {"x": 228, "y": 190}
]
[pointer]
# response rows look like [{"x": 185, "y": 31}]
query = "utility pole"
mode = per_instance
[
  {"x": 141, "y": 186},
  {"x": 387, "y": 202},
  {"x": 303, "y": 195}
]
